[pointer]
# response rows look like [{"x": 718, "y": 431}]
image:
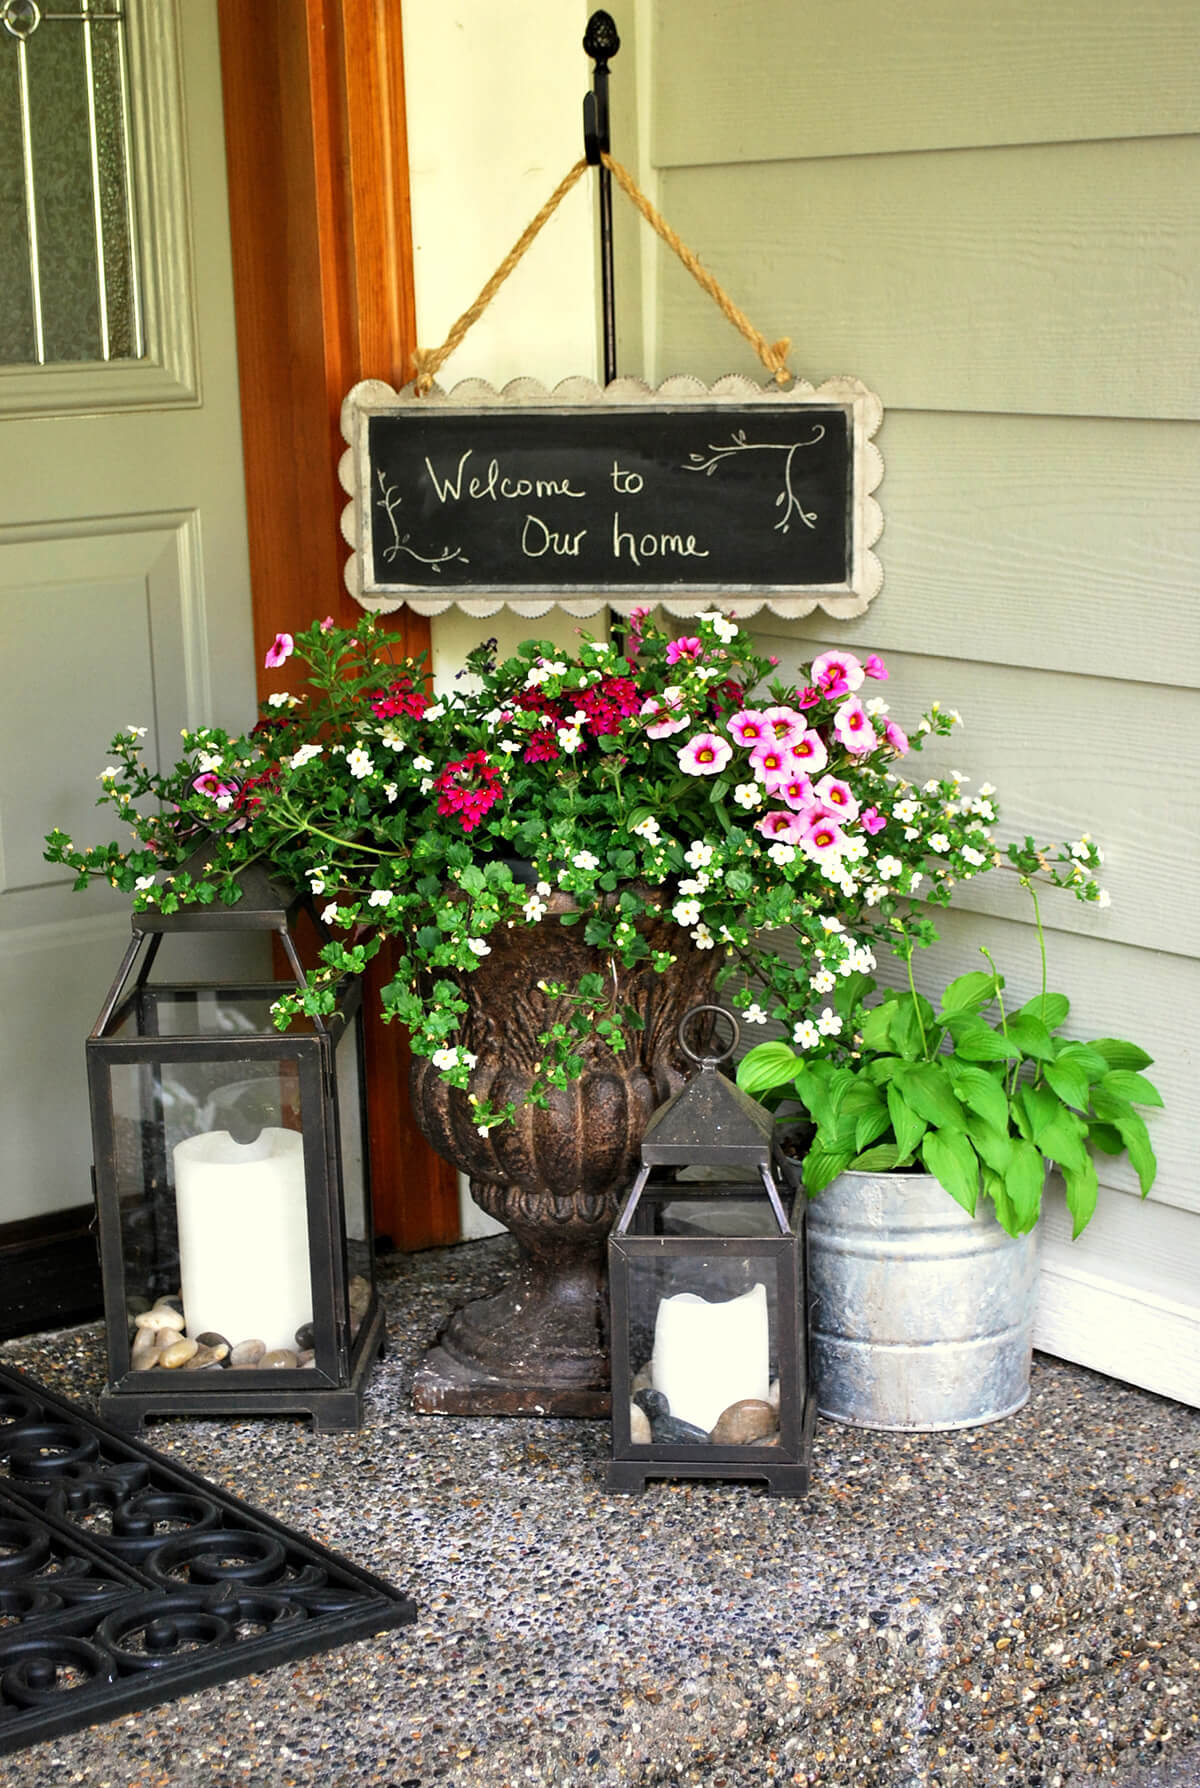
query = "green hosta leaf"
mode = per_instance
[
  {"x": 842, "y": 1081},
  {"x": 767, "y": 1065},
  {"x": 906, "y": 1033},
  {"x": 1040, "y": 1106},
  {"x": 1031, "y": 1037},
  {"x": 981, "y": 1092},
  {"x": 870, "y": 1126},
  {"x": 950, "y": 1157},
  {"x": 976, "y": 1041},
  {"x": 850, "y": 988},
  {"x": 1105, "y": 1137},
  {"x": 863, "y": 1096},
  {"x": 880, "y": 1160},
  {"x": 1119, "y": 1054},
  {"x": 822, "y": 1166},
  {"x": 1024, "y": 1179},
  {"x": 1050, "y": 1008},
  {"x": 994, "y": 1147},
  {"x": 885, "y": 1068},
  {"x": 812, "y": 1088},
  {"x": 1089, "y": 1059},
  {"x": 1134, "y": 1087},
  {"x": 1136, "y": 1138},
  {"x": 995, "y": 1189},
  {"x": 969, "y": 993},
  {"x": 1064, "y": 1139},
  {"x": 908, "y": 1125},
  {"x": 1110, "y": 1106},
  {"x": 877, "y": 1026},
  {"x": 927, "y": 1087},
  {"x": 1069, "y": 1082},
  {"x": 1082, "y": 1184}
]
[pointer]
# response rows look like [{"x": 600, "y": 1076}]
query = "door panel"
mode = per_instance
[{"x": 124, "y": 592}]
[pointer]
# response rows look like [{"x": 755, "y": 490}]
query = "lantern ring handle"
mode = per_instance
[{"x": 710, "y": 1060}]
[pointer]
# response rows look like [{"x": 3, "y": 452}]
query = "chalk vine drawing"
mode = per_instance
[
  {"x": 787, "y": 500},
  {"x": 390, "y": 501}
]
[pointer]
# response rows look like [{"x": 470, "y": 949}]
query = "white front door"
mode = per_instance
[{"x": 124, "y": 579}]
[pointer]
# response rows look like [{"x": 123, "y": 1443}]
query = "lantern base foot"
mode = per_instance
[
  {"x": 780, "y": 1480},
  {"x": 446, "y": 1386}
]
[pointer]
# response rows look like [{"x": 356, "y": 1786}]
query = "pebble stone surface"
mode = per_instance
[{"x": 1017, "y": 1604}]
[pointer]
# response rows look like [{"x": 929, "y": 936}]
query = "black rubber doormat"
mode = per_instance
[{"x": 126, "y": 1580}]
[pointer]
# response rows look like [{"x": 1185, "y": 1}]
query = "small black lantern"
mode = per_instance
[
  {"x": 708, "y": 1292},
  {"x": 231, "y": 1181}
]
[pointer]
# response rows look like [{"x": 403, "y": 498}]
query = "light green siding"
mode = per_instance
[{"x": 992, "y": 217}]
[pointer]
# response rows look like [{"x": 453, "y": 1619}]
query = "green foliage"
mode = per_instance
[{"x": 984, "y": 1101}]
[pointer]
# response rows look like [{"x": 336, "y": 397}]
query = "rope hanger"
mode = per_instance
[{"x": 773, "y": 355}]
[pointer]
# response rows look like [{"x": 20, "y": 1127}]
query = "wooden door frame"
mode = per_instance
[{"x": 317, "y": 154}]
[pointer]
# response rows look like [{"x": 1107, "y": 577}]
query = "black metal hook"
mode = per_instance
[{"x": 601, "y": 41}]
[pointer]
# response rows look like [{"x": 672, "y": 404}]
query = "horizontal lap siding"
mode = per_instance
[{"x": 992, "y": 217}]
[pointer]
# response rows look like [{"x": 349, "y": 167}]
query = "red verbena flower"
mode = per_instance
[
  {"x": 399, "y": 698},
  {"x": 469, "y": 787}
]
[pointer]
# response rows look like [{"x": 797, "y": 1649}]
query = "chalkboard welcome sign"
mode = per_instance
[{"x": 736, "y": 495}]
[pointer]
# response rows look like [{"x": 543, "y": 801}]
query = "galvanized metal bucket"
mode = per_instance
[{"x": 922, "y": 1316}]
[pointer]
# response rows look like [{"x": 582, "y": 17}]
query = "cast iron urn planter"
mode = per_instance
[
  {"x": 708, "y": 1293},
  {"x": 232, "y": 1196}
]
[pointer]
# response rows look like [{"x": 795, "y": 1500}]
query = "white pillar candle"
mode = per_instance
[
  {"x": 707, "y": 1356},
  {"x": 243, "y": 1236}
]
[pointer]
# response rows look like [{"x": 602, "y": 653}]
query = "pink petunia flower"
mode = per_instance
[
  {"x": 875, "y": 667},
  {"x": 704, "y": 755},
  {"x": 691, "y": 649},
  {"x": 772, "y": 763},
  {"x": 797, "y": 791},
  {"x": 327, "y": 624},
  {"x": 809, "y": 751},
  {"x": 837, "y": 673},
  {"x": 871, "y": 820},
  {"x": 662, "y": 717},
  {"x": 896, "y": 737},
  {"x": 852, "y": 724},
  {"x": 823, "y": 840},
  {"x": 749, "y": 728},
  {"x": 808, "y": 697},
  {"x": 839, "y": 796},
  {"x": 210, "y": 784},
  {"x": 779, "y": 825},
  {"x": 786, "y": 724},
  {"x": 281, "y": 651}
]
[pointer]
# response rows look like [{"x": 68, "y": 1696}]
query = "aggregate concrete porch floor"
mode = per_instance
[{"x": 1015, "y": 1604}]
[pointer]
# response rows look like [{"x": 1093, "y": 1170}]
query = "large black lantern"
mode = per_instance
[
  {"x": 231, "y": 1182},
  {"x": 709, "y": 1300}
]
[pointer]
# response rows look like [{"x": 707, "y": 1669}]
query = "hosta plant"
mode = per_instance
[{"x": 982, "y": 1095}]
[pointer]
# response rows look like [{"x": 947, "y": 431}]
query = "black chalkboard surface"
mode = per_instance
[{"x": 454, "y": 499}]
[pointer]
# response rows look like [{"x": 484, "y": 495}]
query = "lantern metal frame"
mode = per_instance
[
  {"x": 711, "y": 1123},
  {"x": 330, "y": 1388}
]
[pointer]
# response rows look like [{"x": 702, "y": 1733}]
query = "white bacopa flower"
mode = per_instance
[
  {"x": 698, "y": 854},
  {"x": 139, "y": 732},
  {"x": 754, "y": 1014},
  {"x": 393, "y": 740},
  {"x": 281, "y": 699},
  {"x": 534, "y": 909},
  {"x": 509, "y": 746},
  {"x": 876, "y": 706},
  {"x": 875, "y": 893},
  {"x": 316, "y": 880},
  {"x": 686, "y": 912},
  {"x": 1104, "y": 898},
  {"x": 781, "y": 853},
  {"x": 358, "y": 763},
  {"x": 887, "y": 867},
  {"x": 939, "y": 842},
  {"x": 381, "y": 897},
  {"x": 444, "y": 1058},
  {"x": 304, "y": 755},
  {"x": 831, "y": 923},
  {"x": 391, "y": 790},
  {"x": 822, "y": 982},
  {"x": 570, "y": 739},
  {"x": 109, "y": 773},
  {"x": 953, "y": 715},
  {"x": 479, "y": 945},
  {"x": 725, "y": 631},
  {"x": 648, "y": 828},
  {"x": 330, "y": 915},
  {"x": 585, "y": 860},
  {"x": 829, "y": 1024},
  {"x": 863, "y": 959},
  {"x": 426, "y": 784},
  {"x": 544, "y": 889},
  {"x": 422, "y": 763},
  {"x": 695, "y": 884},
  {"x": 972, "y": 856},
  {"x": 435, "y": 711},
  {"x": 915, "y": 882},
  {"x": 142, "y": 883},
  {"x": 906, "y": 810},
  {"x": 807, "y": 1035},
  {"x": 748, "y": 795},
  {"x": 702, "y": 937}
]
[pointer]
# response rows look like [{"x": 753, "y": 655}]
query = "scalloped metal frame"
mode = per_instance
[{"x": 852, "y": 598}]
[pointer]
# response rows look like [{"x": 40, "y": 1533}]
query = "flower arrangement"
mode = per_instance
[{"x": 653, "y": 776}]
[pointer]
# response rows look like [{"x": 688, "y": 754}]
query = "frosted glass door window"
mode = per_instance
[{"x": 68, "y": 245}]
